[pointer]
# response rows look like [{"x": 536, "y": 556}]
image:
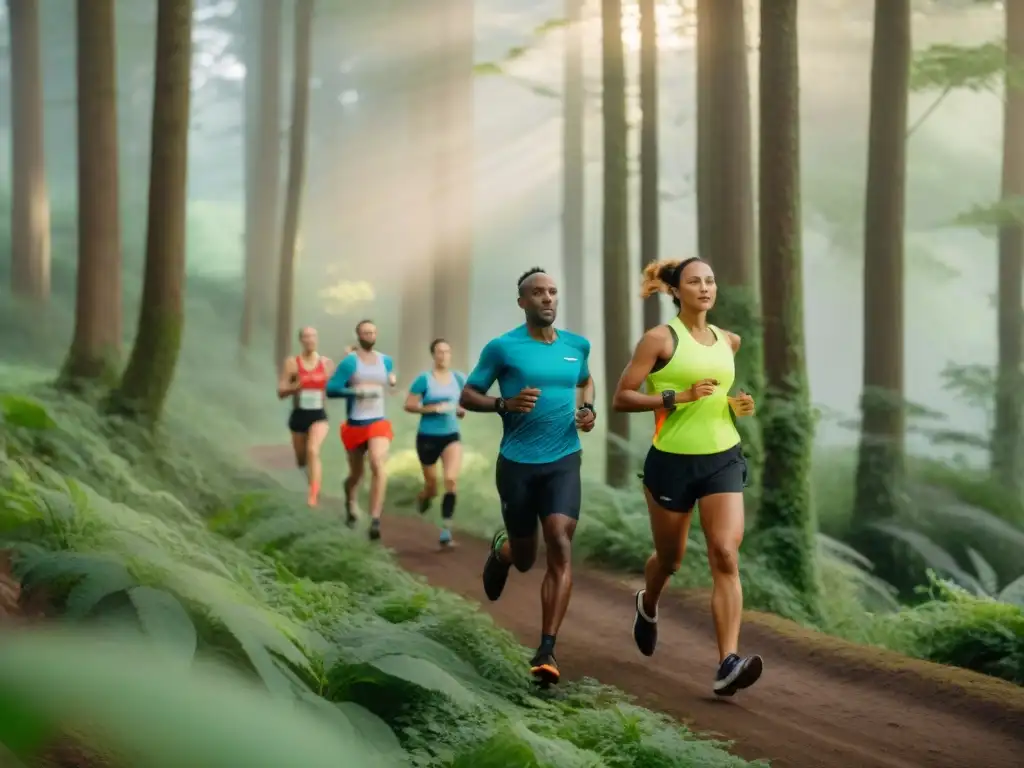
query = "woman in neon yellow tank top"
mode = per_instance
[{"x": 688, "y": 368}]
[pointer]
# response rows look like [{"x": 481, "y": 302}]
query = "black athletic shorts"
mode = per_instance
[
  {"x": 430, "y": 447},
  {"x": 531, "y": 492},
  {"x": 301, "y": 419},
  {"x": 678, "y": 480}
]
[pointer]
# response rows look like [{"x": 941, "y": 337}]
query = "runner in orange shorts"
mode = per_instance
[{"x": 363, "y": 377}]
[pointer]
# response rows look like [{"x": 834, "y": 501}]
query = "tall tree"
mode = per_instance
[
  {"x": 1009, "y": 418},
  {"x": 263, "y": 165},
  {"x": 150, "y": 371},
  {"x": 785, "y": 519},
  {"x": 417, "y": 31},
  {"x": 725, "y": 199},
  {"x": 96, "y": 346},
  {"x": 880, "y": 460},
  {"x": 573, "y": 170},
  {"x": 454, "y": 178},
  {"x": 619, "y": 274},
  {"x": 650, "y": 234},
  {"x": 303, "y": 53},
  {"x": 30, "y": 204}
]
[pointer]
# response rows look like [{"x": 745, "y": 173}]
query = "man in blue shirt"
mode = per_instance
[{"x": 546, "y": 395}]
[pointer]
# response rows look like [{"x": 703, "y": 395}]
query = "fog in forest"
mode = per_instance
[{"x": 352, "y": 233}]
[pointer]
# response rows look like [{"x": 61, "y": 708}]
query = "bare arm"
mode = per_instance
[
  {"x": 585, "y": 392},
  {"x": 653, "y": 346},
  {"x": 414, "y": 404},
  {"x": 287, "y": 381},
  {"x": 474, "y": 400},
  {"x": 734, "y": 341}
]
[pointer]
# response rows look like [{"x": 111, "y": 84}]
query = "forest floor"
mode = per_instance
[{"x": 822, "y": 702}]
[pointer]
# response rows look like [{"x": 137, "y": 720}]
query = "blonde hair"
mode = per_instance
[{"x": 663, "y": 276}]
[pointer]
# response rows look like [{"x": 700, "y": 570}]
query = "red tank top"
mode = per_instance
[
  {"x": 316, "y": 378},
  {"x": 312, "y": 383}
]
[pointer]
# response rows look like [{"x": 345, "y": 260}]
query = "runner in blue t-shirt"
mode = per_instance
[
  {"x": 435, "y": 396},
  {"x": 546, "y": 395}
]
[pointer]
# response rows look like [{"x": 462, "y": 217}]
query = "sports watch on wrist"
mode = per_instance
[
  {"x": 588, "y": 407},
  {"x": 499, "y": 405},
  {"x": 668, "y": 400}
]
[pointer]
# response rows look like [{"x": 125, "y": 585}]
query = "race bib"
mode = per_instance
[{"x": 311, "y": 399}]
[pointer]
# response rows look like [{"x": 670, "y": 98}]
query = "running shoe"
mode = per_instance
[
  {"x": 544, "y": 668},
  {"x": 645, "y": 630},
  {"x": 495, "y": 571},
  {"x": 375, "y": 529},
  {"x": 737, "y": 672},
  {"x": 446, "y": 541}
]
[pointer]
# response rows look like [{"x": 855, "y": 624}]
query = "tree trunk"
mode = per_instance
[
  {"x": 30, "y": 203},
  {"x": 574, "y": 171},
  {"x": 147, "y": 379},
  {"x": 267, "y": 165},
  {"x": 251, "y": 14},
  {"x": 418, "y": 34},
  {"x": 1006, "y": 437},
  {"x": 454, "y": 181},
  {"x": 880, "y": 463},
  {"x": 303, "y": 52},
  {"x": 96, "y": 347},
  {"x": 650, "y": 234},
  {"x": 619, "y": 276},
  {"x": 785, "y": 519},
  {"x": 725, "y": 207}
]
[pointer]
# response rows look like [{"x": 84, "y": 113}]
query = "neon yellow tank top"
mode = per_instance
[{"x": 704, "y": 426}]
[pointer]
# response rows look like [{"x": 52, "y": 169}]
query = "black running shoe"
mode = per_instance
[
  {"x": 495, "y": 571},
  {"x": 375, "y": 529},
  {"x": 544, "y": 668},
  {"x": 645, "y": 630},
  {"x": 737, "y": 672}
]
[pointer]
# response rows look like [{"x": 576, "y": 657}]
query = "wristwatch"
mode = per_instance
[
  {"x": 668, "y": 400},
  {"x": 588, "y": 407},
  {"x": 499, "y": 405}
]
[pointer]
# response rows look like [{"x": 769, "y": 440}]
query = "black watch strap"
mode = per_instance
[
  {"x": 668, "y": 399},
  {"x": 499, "y": 405},
  {"x": 589, "y": 407}
]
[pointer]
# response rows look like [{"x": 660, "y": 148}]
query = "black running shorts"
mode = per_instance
[
  {"x": 678, "y": 480},
  {"x": 301, "y": 419},
  {"x": 430, "y": 447},
  {"x": 531, "y": 492}
]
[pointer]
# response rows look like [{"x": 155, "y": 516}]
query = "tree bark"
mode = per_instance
[
  {"x": 785, "y": 520},
  {"x": 30, "y": 203},
  {"x": 1009, "y": 404},
  {"x": 650, "y": 233},
  {"x": 267, "y": 166},
  {"x": 303, "y": 52},
  {"x": 574, "y": 171},
  {"x": 150, "y": 371},
  {"x": 725, "y": 207},
  {"x": 251, "y": 13},
  {"x": 880, "y": 460},
  {"x": 454, "y": 181},
  {"x": 418, "y": 33},
  {"x": 619, "y": 276},
  {"x": 96, "y": 347}
]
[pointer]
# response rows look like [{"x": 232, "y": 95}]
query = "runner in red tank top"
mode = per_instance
[{"x": 304, "y": 378}]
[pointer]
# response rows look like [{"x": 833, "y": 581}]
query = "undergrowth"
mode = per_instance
[{"x": 170, "y": 537}]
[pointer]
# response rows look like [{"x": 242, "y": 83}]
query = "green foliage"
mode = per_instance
[
  {"x": 110, "y": 528},
  {"x": 988, "y": 218},
  {"x": 946, "y": 66}
]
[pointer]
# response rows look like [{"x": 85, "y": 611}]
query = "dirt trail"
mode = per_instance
[{"x": 820, "y": 703}]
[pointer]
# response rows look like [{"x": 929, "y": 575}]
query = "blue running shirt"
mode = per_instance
[
  {"x": 516, "y": 360},
  {"x": 432, "y": 392}
]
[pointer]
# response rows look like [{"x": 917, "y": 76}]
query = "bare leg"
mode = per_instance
[
  {"x": 356, "y": 463},
  {"x": 317, "y": 434},
  {"x": 556, "y": 588},
  {"x": 429, "y": 491},
  {"x": 377, "y": 450},
  {"x": 299, "y": 442},
  {"x": 721, "y": 517},
  {"x": 670, "y": 531}
]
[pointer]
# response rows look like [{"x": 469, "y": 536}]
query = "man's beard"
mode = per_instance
[
  {"x": 538, "y": 321},
  {"x": 366, "y": 345}
]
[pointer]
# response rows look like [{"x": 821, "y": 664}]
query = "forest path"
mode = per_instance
[{"x": 820, "y": 703}]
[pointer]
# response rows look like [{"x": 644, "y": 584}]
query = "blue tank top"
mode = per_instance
[{"x": 433, "y": 392}]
